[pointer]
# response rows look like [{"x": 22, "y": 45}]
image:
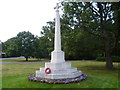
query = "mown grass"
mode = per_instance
[
  {"x": 24, "y": 60},
  {"x": 15, "y": 75}
]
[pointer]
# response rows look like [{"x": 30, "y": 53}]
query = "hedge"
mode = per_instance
[{"x": 114, "y": 59}]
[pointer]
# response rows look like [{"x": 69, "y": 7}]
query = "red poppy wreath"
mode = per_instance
[{"x": 47, "y": 70}]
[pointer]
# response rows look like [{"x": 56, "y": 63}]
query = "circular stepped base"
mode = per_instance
[{"x": 57, "y": 81}]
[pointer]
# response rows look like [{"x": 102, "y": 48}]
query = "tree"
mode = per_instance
[
  {"x": 26, "y": 42},
  {"x": 11, "y": 48},
  {"x": 116, "y": 9},
  {"x": 48, "y": 36},
  {"x": 96, "y": 19},
  {"x": 41, "y": 45}
]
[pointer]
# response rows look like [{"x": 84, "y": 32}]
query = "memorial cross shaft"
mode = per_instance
[{"x": 57, "y": 42}]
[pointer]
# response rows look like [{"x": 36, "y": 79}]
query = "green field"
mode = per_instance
[
  {"x": 23, "y": 60},
  {"x": 15, "y": 75}
]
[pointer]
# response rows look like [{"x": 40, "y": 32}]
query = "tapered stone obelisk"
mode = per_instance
[
  {"x": 58, "y": 68},
  {"x": 57, "y": 54}
]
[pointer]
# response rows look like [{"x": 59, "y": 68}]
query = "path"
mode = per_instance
[{"x": 11, "y": 58}]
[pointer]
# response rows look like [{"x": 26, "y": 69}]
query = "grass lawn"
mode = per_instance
[
  {"x": 15, "y": 75},
  {"x": 24, "y": 60}
]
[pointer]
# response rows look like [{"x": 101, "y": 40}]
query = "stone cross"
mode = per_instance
[{"x": 57, "y": 7}]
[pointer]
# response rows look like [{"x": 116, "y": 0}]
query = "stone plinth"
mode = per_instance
[
  {"x": 57, "y": 57},
  {"x": 58, "y": 71}
]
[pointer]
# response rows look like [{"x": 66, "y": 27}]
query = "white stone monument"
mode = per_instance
[{"x": 58, "y": 68}]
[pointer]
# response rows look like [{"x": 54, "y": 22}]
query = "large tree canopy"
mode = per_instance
[
  {"x": 26, "y": 42},
  {"x": 11, "y": 48},
  {"x": 96, "y": 19}
]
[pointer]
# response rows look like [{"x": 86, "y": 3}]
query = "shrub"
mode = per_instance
[
  {"x": 100, "y": 58},
  {"x": 114, "y": 58}
]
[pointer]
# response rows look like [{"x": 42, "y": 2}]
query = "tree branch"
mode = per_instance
[
  {"x": 97, "y": 35},
  {"x": 96, "y": 11}
]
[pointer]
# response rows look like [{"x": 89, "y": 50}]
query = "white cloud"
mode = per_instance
[{"x": 24, "y": 15}]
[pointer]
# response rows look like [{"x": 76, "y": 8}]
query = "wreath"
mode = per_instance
[{"x": 47, "y": 70}]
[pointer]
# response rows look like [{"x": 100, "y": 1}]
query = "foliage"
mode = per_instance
[
  {"x": 21, "y": 45},
  {"x": 114, "y": 59},
  {"x": 116, "y": 9},
  {"x": 100, "y": 58},
  {"x": 96, "y": 18},
  {"x": 81, "y": 45},
  {"x": 41, "y": 45},
  {"x": 11, "y": 48},
  {"x": 26, "y": 42}
]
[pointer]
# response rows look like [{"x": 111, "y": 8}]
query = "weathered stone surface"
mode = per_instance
[
  {"x": 59, "y": 73},
  {"x": 58, "y": 66}
]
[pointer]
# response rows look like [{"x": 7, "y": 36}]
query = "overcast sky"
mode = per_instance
[{"x": 24, "y": 15}]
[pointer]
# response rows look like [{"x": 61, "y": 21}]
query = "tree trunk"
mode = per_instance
[
  {"x": 26, "y": 58},
  {"x": 109, "y": 63}
]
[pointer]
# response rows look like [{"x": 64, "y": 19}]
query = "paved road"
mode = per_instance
[{"x": 11, "y": 58}]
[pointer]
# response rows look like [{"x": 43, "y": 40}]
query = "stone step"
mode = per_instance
[
  {"x": 58, "y": 66},
  {"x": 69, "y": 70},
  {"x": 54, "y": 71},
  {"x": 59, "y": 75}
]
